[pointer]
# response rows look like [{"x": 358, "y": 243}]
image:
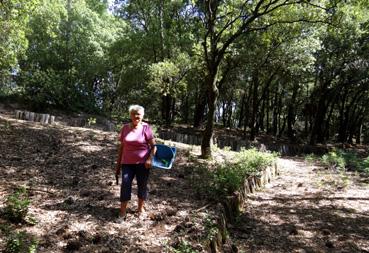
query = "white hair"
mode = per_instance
[{"x": 136, "y": 108}]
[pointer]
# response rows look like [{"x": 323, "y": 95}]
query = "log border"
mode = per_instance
[
  {"x": 35, "y": 117},
  {"x": 231, "y": 207}
]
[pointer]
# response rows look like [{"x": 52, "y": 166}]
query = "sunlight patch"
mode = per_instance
[{"x": 87, "y": 147}]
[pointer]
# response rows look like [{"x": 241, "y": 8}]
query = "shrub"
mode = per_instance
[
  {"x": 91, "y": 121},
  {"x": 334, "y": 159},
  {"x": 345, "y": 160},
  {"x": 184, "y": 247},
  {"x": 364, "y": 166},
  {"x": 229, "y": 177},
  {"x": 311, "y": 158},
  {"x": 21, "y": 242},
  {"x": 352, "y": 160},
  {"x": 16, "y": 205}
]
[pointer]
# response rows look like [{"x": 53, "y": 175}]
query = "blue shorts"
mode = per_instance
[{"x": 129, "y": 171}]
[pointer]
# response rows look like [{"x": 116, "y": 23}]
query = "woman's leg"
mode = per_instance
[
  {"x": 123, "y": 208},
  {"x": 141, "y": 204},
  {"x": 128, "y": 174},
  {"x": 142, "y": 177}
]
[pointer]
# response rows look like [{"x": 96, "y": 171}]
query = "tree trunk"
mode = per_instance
[
  {"x": 268, "y": 112},
  {"x": 200, "y": 107},
  {"x": 291, "y": 113},
  {"x": 253, "y": 123},
  {"x": 242, "y": 109},
  {"x": 317, "y": 131},
  {"x": 208, "y": 132},
  {"x": 166, "y": 108},
  {"x": 185, "y": 109}
]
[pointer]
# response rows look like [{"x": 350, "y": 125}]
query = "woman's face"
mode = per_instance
[{"x": 136, "y": 117}]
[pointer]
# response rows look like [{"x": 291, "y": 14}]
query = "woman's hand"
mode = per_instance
[
  {"x": 117, "y": 170},
  {"x": 117, "y": 173},
  {"x": 148, "y": 163}
]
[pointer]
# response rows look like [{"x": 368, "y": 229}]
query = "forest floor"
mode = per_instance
[{"x": 74, "y": 199}]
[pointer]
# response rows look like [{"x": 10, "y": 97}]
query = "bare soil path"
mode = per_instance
[{"x": 306, "y": 209}]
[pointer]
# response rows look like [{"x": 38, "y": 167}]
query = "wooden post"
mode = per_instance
[
  {"x": 47, "y": 116},
  {"x": 18, "y": 114},
  {"x": 32, "y": 116},
  {"x": 26, "y": 115}
]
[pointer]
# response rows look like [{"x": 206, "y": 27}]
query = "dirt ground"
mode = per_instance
[
  {"x": 75, "y": 200},
  {"x": 308, "y": 208}
]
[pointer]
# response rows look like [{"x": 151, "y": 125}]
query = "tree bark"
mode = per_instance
[
  {"x": 200, "y": 107},
  {"x": 291, "y": 113},
  {"x": 212, "y": 100},
  {"x": 253, "y": 124}
]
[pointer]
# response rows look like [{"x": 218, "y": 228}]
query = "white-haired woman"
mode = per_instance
[{"x": 134, "y": 158}]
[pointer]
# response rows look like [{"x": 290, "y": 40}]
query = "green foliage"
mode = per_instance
[
  {"x": 14, "y": 17},
  {"x": 184, "y": 247},
  {"x": 341, "y": 159},
  {"x": 334, "y": 159},
  {"x": 16, "y": 205},
  {"x": 67, "y": 63},
  {"x": 21, "y": 242},
  {"x": 167, "y": 77},
  {"x": 365, "y": 166},
  {"x": 311, "y": 158},
  {"x": 211, "y": 229},
  {"x": 155, "y": 130},
  {"x": 230, "y": 176},
  {"x": 91, "y": 121}
]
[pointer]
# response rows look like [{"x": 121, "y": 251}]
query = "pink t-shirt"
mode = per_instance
[{"x": 135, "y": 142}]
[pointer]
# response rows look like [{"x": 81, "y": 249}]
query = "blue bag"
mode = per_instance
[{"x": 164, "y": 157}]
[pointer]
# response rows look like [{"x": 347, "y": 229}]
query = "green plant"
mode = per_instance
[
  {"x": 16, "y": 205},
  {"x": 365, "y": 166},
  {"x": 345, "y": 160},
  {"x": 155, "y": 130},
  {"x": 311, "y": 158},
  {"x": 21, "y": 242},
  {"x": 334, "y": 159},
  {"x": 118, "y": 127},
  {"x": 184, "y": 247},
  {"x": 230, "y": 176},
  {"x": 352, "y": 160},
  {"x": 91, "y": 121},
  {"x": 227, "y": 148},
  {"x": 5, "y": 229},
  {"x": 7, "y": 126},
  {"x": 211, "y": 228}
]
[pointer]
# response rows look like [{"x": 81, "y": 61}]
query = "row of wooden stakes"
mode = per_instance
[{"x": 36, "y": 117}]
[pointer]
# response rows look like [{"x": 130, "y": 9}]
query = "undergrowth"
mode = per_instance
[
  {"x": 345, "y": 160},
  {"x": 16, "y": 205},
  {"x": 16, "y": 212},
  {"x": 227, "y": 178}
]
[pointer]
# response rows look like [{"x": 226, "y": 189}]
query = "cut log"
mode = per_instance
[
  {"x": 31, "y": 116},
  {"x": 26, "y": 115},
  {"x": 18, "y": 114},
  {"x": 47, "y": 116}
]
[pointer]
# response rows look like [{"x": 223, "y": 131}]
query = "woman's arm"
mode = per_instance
[
  {"x": 120, "y": 153},
  {"x": 152, "y": 153}
]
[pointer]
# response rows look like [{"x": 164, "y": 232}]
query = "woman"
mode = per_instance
[{"x": 134, "y": 158}]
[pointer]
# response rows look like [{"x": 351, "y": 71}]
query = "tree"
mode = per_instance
[
  {"x": 67, "y": 63},
  {"x": 14, "y": 17},
  {"x": 168, "y": 80},
  {"x": 225, "y": 22},
  {"x": 341, "y": 75},
  {"x": 158, "y": 37}
]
